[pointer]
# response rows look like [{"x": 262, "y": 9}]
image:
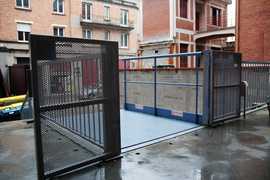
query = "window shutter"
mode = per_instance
[{"x": 24, "y": 27}]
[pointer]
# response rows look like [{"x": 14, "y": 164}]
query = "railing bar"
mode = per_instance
[
  {"x": 161, "y": 83},
  {"x": 93, "y": 105},
  {"x": 49, "y": 98},
  {"x": 99, "y": 126},
  {"x": 253, "y": 82},
  {"x": 125, "y": 85},
  {"x": 78, "y": 90},
  {"x": 65, "y": 95},
  {"x": 197, "y": 88},
  {"x": 255, "y": 62},
  {"x": 164, "y": 56},
  {"x": 155, "y": 86},
  {"x": 84, "y": 112},
  {"x": 224, "y": 91},
  {"x": 71, "y": 94}
]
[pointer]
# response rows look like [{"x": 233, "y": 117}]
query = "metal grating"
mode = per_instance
[
  {"x": 222, "y": 81},
  {"x": 76, "y": 102},
  {"x": 226, "y": 86},
  {"x": 256, "y": 74}
]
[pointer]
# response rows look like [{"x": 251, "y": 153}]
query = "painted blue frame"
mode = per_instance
[{"x": 185, "y": 116}]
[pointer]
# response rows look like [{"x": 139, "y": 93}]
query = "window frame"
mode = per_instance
[
  {"x": 58, "y": 28},
  {"x": 215, "y": 20},
  {"x": 106, "y": 9},
  {"x": 183, "y": 60},
  {"x": 24, "y": 33},
  {"x": 123, "y": 40},
  {"x": 84, "y": 15},
  {"x": 124, "y": 17},
  {"x": 108, "y": 32},
  {"x": 183, "y": 7},
  {"x": 22, "y": 2},
  {"x": 57, "y": 7},
  {"x": 87, "y": 30}
]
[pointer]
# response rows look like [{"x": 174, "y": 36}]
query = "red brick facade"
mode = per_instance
[
  {"x": 156, "y": 19},
  {"x": 42, "y": 20},
  {"x": 169, "y": 24},
  {"x": 254, "y": 30}
]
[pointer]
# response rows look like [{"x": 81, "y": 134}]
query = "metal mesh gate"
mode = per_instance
[
  {"x": 222, "y": 81},
  {"x": 76, "y": 102}
]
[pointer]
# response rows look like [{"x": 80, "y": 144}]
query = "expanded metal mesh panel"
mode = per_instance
[
  {"x": 70, "y": 80},
  {"x": 73, "y": 101},
  {"x": 256, "y": 74},
  {"x": 226, "y": 85}
]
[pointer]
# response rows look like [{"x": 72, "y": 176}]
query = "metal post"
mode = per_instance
[
  {"x": 155, "y": 86},
  {"x": 125, "y": 84},
  {"x": 197, "y": 89}
]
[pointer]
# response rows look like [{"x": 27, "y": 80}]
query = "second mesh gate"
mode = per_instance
[
  {"x": 221, "y": 86},
  {"x": 76, "y": 102}
]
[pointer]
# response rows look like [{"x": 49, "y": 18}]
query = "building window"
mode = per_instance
[
  {"x": 183, "y": 60},
  {"x": 23, "y": 31},
  {"x": 106, "y": 13},
  {"x": 183, "y": 8},
  {"x": 124, "y": 40},
  {"x": 22, "y": 3},
  {"x": 59, "y": 31},
  {"x": 215, "y": 16},
  {"x": 107, "y": 35},
  {"x": 87, "y": 34},
  {"x": 23, "y": 60},
  {"x": 86, "y": 11},
  {"x": 58, "y": 6},
  {"x": 124, "y": 17}
]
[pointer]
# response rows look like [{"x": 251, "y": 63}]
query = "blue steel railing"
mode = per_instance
[{"x": 197, "y": 54}]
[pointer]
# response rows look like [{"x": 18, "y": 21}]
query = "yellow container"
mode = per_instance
[
  {"x": 11, "y": 100},
  {"x": 11, "y": 106}
]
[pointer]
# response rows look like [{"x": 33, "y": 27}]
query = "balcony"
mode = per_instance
[
  {"x": 101, "y": 21},
  {"x": 121, "y": 2},
  {"x": 215, "y": 26}
]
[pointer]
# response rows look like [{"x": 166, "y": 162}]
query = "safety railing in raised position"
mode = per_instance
[{"x": 153, "y": 109}]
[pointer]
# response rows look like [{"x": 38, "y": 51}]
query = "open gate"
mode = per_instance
[
  {"x": 75, "y": 85},
  {"x": 221, "y": 86}
]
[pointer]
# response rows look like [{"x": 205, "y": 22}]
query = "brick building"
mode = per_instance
[
  {"x": 253, "y": 30},
  {"x": 178, "y": 26},
  {"x": 115, "y": 20}
]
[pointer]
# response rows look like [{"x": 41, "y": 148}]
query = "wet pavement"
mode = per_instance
[{"x": 239, "y": 149}]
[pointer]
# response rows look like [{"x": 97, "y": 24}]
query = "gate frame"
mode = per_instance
[
  {"x": 208, "y": 88},
  {"x": 112, "y": 141}
]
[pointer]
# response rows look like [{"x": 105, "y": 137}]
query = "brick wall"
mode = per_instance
[
  {"x": 156, "y": 19},
  {"x": 254, "y": 30},
  {"x": 40, "y": 13}
]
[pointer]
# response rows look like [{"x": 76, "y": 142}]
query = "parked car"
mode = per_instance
[{"x": 90, "y": 93}]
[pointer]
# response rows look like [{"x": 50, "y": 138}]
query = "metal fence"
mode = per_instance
[
  {"x": 147, "y": 93},
  {"x": 76, "y": 102},
  {"x": 256, "y": 75}
]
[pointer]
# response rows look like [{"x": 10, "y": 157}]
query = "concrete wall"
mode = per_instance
[
  {"x": 181, "y": 98},
  {"x": 4, "y": 65}
]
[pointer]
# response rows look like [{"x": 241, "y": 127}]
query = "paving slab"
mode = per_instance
[{"x": 239, "y": 149}]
